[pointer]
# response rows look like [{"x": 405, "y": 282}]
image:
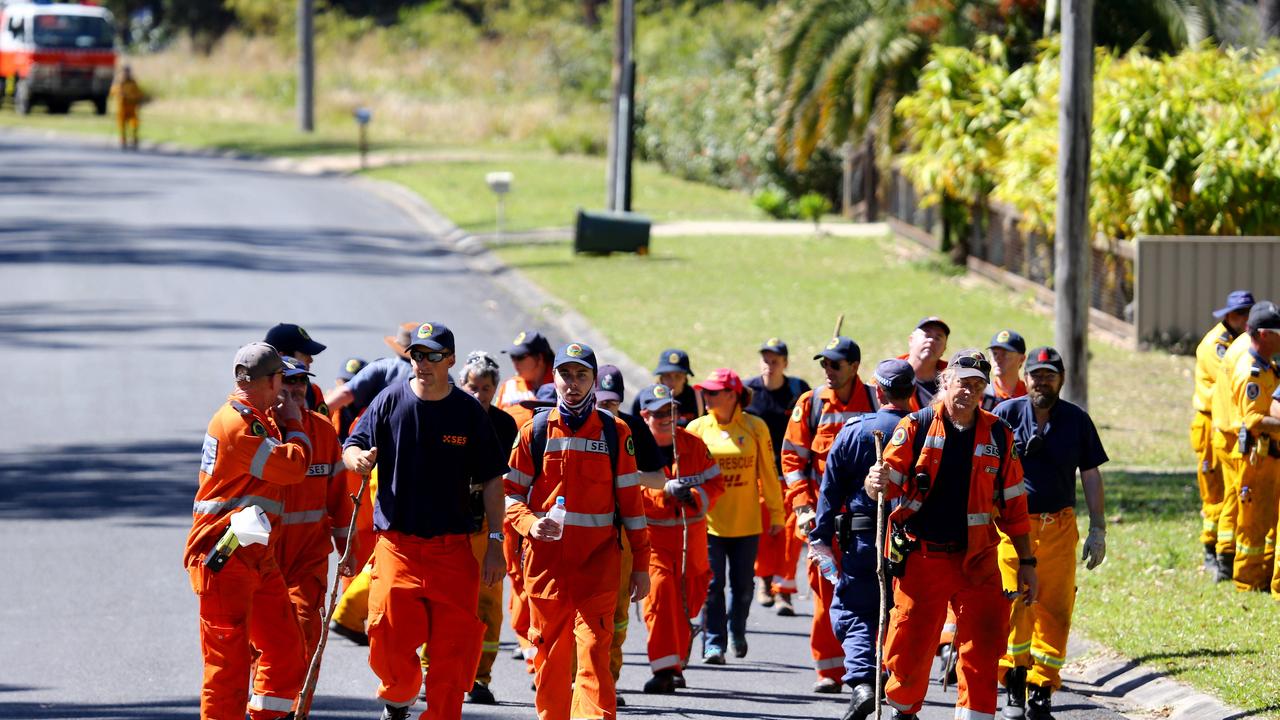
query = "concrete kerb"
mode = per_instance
[{"x": 1135, "y": 690}]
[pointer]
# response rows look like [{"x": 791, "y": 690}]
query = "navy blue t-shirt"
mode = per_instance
[
  {"x": 942, "y": 518},
  {"x": 774, "y": 408},
  {"x": 429, "y": 453},
  {"x": 850, "y": 457},
  {"x": 1070, "y": 442}
]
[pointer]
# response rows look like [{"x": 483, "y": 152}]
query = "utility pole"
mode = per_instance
[
  {"x": 306, "y": 66},
  {"x": 621, "y": 109},
  {"x": 1071, "y": 282}
]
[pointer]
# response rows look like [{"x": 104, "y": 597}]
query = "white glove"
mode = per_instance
[{"x": 1095, "y": 548}]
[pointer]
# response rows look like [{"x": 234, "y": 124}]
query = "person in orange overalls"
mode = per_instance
[
  {"x": 431, "y": 440},
  {"x": 244, "y": 607},
  {"x": 814, "y": 425},
  {"x": 317, "y": 513},
  {"x": 129, "y": 97},
  {"x": 571, "y": 569},
  {"x": 679, "y": 568},
  {"x": 956, "y": 471}
]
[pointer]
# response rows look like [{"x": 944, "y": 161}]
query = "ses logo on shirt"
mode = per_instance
[{"x": 458, "y": 440}]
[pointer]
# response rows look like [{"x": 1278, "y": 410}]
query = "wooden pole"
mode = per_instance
[
  {"x": 1071, "y": 241},
  {"x": 306, "y": 66},
  {"x": 611, "y": 166}
]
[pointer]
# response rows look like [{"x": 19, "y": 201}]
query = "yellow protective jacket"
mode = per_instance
[
  {"x": 744, "y": 452},
  {"x": 1209, "y": 354},
  {"x": 1242, "y": 394}
]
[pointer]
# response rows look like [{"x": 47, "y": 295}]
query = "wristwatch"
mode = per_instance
[
  {"x": 1025, "y": 562},
  {"x": 497, "y": 536}
]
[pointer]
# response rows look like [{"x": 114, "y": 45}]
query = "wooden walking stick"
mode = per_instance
[
  {"x": 694, "y": 628},
  {"x": 879, "y": 438},
  {"x": 313, "y": 671},
  {"x": 839, "y": 325}
]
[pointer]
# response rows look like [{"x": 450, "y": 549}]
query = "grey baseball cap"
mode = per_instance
[{"x": 257, "y": 360}]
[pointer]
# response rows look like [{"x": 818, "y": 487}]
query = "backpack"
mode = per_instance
[
  {"x": 815, "y": 408},
  {"x": 538, "y": 449}
]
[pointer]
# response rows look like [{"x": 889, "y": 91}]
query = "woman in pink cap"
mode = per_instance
[{"x": 740, "y": 444}]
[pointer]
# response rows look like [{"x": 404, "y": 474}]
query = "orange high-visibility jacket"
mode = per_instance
[
  {"x": 244, "y": 462},
  {"x": 317, "y": 511},
  {"x": 512, "y": 392},
  {"x": 1008, "y": 510},
  {"x": 804, "y": 451},
  {"x": 699, "y": 470},
  {"x": 1209, "y": 354},
  {"x": 585, "y": 561}
]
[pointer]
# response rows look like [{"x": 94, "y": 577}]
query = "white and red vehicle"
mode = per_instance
[{"x": 55, "y": 55}]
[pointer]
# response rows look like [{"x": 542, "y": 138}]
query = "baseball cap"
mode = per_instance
[
  {"x": 432, "y": 336},
  {"x": 1237, "y": 300},
  {"x": 544, "y": 396},
  {"x": 935, "y": 320},
  {"x": 1044, "y": 358},
  {"x": 721, "y": 379},
  {"x": 673, "y": 360},
  {"x": 774, "y": 345},
  {"x": 256, "y": 360},
  {"x": 289, "y": 338},
  {"x": 400, "y": 341},
  {"x": 576, "y": 353},
  {"x": 841, "y": 348},
  {"x": 351, "y": 367},
  {"x": 971, "y": 363},
  {"x": 294, "y": 367},
  {"x": 1264, "y": 316},
  {"x": 655, "y": 397},
  {"x": 529, "y": 342},
  {"x": 1009, "y": 340},
  {"x": 609, "y": 385},
  {"x": 895, "y": 375}
]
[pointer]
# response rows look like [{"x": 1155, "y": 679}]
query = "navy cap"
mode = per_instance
[
  {"x": 774, "y": 345},
  {"x": 655, "y": 397},
  {"x": 351, "y": 367},
  {"x": 576, "y": 353},
  {"x": 1237, "y": 300},
  {"x": 1044, "y": 358},
  {"x": 841, "y": 348},
  {"x": 432, "y": 336},
  {"x": 289, "y": 338},
  {"x": 529, "y": 342},
  {"x": 294, "y": 367},
  {"x": 1264, "y": 316},
  {"x": 673, "y": 360},
  {"x": 609, "y": 385},
  {"x": 971, "y": 363},
  {"x": 895, "y": 375},
  {"x": 1009, "y": 340},
  {"x": 935, "y": 320}
]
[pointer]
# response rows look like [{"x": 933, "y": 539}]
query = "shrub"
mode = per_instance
[
  {"x": 812, "y": 206},
  {"x": 776, "y": 204}
]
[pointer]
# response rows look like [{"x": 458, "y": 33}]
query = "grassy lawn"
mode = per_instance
[{"x": 547, "y": 190}]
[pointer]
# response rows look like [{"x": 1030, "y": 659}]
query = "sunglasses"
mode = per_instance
[
  {"x": 433, "y": 356},
  {"x": 296, "y": 380},
  {"x": 831, "y": 364},
  {"x": 970, "y": 362}
]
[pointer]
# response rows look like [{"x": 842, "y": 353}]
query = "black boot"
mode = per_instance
[
  {"x": 663, "y": 682},
  {"x": 1039, "y": 702},
  {"x": 1015, "y": 683},
  {"x": 899, "y": 715},
  {"x": 390, "y": 712},
  {"x": 481, "y": 694},
  {"x": 1210, "y": 558},
  {"x": 1226, "y": 567},
  {"x": 948, "y": 663},
  {"x": 863, "y": 703}
]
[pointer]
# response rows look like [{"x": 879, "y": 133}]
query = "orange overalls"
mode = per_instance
[
  {"x": 970, "y": 581},
  {"x": 572, "y": 583},
  {"x": 317, "y": 512},
  {"x": 804, "y": 459},
  {"x": 245, "y": 607},
  {"x": 679, "y": 563}
]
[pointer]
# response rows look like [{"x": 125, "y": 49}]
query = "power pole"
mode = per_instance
[
  {"x": 306, "y": 66},
  {"x": 622, "y": 109},
  {"x": 1071, "y": 281}
]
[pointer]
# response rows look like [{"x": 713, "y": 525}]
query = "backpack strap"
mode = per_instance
[
  {"x": 924, "y": 418},
  {"x": 610, "y": 439},
  {"x": 815, "y": 413},
  {"x": 538, "y": 440}
]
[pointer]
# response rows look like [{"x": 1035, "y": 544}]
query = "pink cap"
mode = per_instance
[{"x": 721, "y": 379}]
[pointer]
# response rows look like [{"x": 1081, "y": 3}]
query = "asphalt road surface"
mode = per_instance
[{"x": 127, "y": 281}]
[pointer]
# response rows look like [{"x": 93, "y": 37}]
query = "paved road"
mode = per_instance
[{"x": 128, "y": 282}]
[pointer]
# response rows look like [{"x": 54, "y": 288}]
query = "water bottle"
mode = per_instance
[
  {"x": 826, "y": 562},
  {"x": 557, "y": 514}
]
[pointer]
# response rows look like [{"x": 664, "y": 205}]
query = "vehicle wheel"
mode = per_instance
[
  {"x": 22, "y": 97},
  {"x": 58, "y": 107},
  {"x": 100, "y": 105}
]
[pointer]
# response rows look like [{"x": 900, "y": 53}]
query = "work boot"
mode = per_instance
[
  {"x": 355, "y": 636},
  {"x": 1015, "y": 684},
  {"x": 827, "y": 686},
  {"x": 1039, "y": 702},
  {"x": 618, "y": 700},
  {"x": 679, "y": 679},
  {"x": 738, "y": 643},
  {"x": 899, "y": 715},
  {"x": 517, "y": 653},
  {"x": 764, "y": 594},
  {"x": 1226, "y": 567},
  {"x": 663, "y": 682},
  {"x": 948, "y": 664},
  {"x": 481, "y": 695},
  {"x": 784, "y": 605},
  {"x": 391, "y": 712},
  {"x": 1210, "y": 558},
  {"x": 863, "y": 703}
]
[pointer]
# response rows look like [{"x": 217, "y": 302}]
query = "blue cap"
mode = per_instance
[
  {"x": 841, "y": 348},
  {"x": 1009, "y": 340},
  {"x": 895, "y": 375},
  {"x": 1237, "y": 301},
  {"x": 774, "y": 345},
  {"x": 289, "y": 338},
  {"x": 294, "y": 367},
  {"x": 580, "y": 353},
  {"x": 432, "y": 336},
  {"x": 656, "y": 396},
  {"x": 529, "y": 342},
  {"x": 609, "y": 384},
  {"x": 673, "y": 360},
  {"x": 351, "y": 367}
]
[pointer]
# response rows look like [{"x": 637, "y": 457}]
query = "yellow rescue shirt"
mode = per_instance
[
  {"x": 744, "y": 452},
  {"x": 1222, "y": 400},
  {"x": 1209, "y": 354},
  {"x": 1247, "y": 384}
]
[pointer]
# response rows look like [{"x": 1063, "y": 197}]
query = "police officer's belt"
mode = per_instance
[{"x": 859, "y": 523}]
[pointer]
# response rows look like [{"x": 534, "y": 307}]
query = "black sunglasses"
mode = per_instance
[
  {"x": 970, "y": 362},
  {"x": 296, "y": 380},
  {"x": 434, "y": 356}
]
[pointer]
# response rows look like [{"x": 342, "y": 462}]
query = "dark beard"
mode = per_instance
[{"x": 1043, "y": 401}]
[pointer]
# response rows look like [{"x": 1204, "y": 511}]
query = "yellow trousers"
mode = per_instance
[
  {"x": 1208, "y": 475},
  {"x": 1256, "y": 524},
  {"x": 353, "y": 607},
  {"x": 490, "y": 612},
  {"x": 1232, "y": 467},
  {"x": 1038, "y": 634}
]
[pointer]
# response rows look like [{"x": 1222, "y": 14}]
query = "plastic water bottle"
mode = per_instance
[
  {"x": 557, "y": 514},
  {"x": 826, "y": 562}
]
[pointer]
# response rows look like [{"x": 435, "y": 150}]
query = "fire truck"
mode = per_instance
[{"x": 55, "y": 55}]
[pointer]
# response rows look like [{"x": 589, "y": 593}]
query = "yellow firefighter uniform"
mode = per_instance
[{"x": 1209, "y": 356}]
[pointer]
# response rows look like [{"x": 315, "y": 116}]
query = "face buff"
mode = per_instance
[{"x": 576, "y": 415}]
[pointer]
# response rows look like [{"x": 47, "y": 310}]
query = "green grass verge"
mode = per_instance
[
  {"x": 719, "y": 297},
  {"x": 1150, "y": 602},
  {"x": 547, "y": 190}
]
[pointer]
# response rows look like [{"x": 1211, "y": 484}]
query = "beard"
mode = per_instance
[{"x": 1042, "y": 399}]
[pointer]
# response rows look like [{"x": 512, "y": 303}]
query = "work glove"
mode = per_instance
[
  {"x": 1095, "y": 548},
  {"x": 680, "y": 491}
]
